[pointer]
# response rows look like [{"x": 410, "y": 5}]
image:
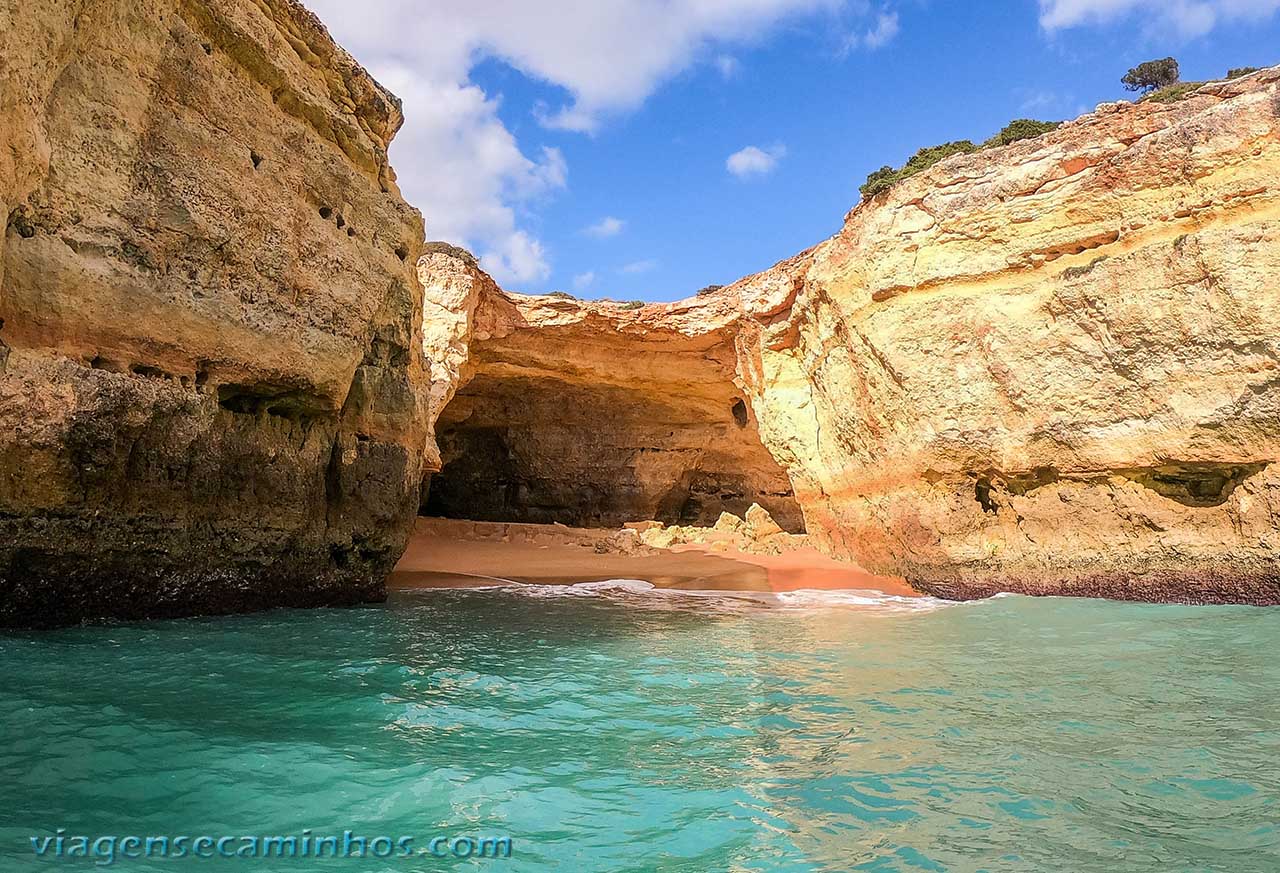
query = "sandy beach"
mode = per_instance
[{"x": 445, "y": 553}]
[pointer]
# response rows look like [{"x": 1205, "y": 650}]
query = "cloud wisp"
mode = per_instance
[
  {"x": 1185, "y": 19},
  {"x": 605, "y": 227},
  {"x": 883, "y": 32},
  {"x": 753, "y": 161}
]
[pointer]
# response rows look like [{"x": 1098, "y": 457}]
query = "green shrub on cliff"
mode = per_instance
[
  {"x": 1173, "y": 93},
  {"x": 1151, "y": 75},
  {"x": 562, "y": 295},
  {"x": 886, "y": 177},
  {"x": 1241, "y": 71},
  {"x": 1020, "y": 128},
  {"x": 880, "y": 180}
]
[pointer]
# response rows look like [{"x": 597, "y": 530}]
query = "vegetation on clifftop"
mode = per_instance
[
  {"x": 439, "y": 246},
  {"x": 886, "y": 177},
  {"x": 1178, "y": 90},
  {"x": 1157, "y": 80},
  {"x": 1172, "y": 93},
  {"x": 1151, "y": 75},
  {"x": 1018, "y": 129}
]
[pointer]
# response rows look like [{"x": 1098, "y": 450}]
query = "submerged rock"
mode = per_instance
[{"x": 212, "y": 396}]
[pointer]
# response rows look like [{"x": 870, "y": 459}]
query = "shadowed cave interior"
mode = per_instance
[{"x": 519, "y": 445}]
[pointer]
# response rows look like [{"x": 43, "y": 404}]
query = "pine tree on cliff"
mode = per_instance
[{"x": 1152, "y": 75}]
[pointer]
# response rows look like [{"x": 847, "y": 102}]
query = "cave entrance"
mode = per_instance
[{"x": 540, "y": 449}]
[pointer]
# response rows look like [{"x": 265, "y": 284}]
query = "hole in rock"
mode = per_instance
[
  {"x": 982, "y": 494},
  {"x": 147, "y": 371},
  {"x": 20, "y": 222},
  {"x": 326, "y": 212},
  {"x": 278, "y": 401},
  {"x": 622, "y": 438},
  {"x": 1194, "y": 484},
  {"x": 256, "y": 158}
]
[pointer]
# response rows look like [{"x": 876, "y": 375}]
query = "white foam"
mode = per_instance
[{"x": 640, "y": 591}]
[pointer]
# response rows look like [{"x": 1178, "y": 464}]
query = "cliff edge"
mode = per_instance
[{"x": 212, "y": 388}]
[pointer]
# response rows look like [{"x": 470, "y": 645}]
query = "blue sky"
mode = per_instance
[{"x": 592, "y": 153}]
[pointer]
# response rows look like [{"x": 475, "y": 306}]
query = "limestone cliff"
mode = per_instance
[
  {"x": 211, "y": 378},
  {"x": 1050, "y": 367}
]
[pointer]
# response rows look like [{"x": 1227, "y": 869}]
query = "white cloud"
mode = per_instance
[
  {"x": 728, "y": 66},
  {"x": 456, "y": 160},
  {"x": 609, "y": 54},
  {"x": 517, "y": 256},
  {"x": 1183, "y": 18},
  {"x": 885, "y": 29},
  {"x": 885, "y": 26},
  {"x": 754, "y": 161},
  {"x": 605, "y": 227},
  {"x": 638, "y": 267},
  {"x": 583, "y": 281}
]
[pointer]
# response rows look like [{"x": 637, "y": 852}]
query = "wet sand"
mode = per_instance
[{"x": 462, "y": 554}]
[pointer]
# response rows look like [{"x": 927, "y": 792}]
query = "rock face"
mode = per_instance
[
  {"x": 212, "y": 390},
  {"x": 1051, "y": 367}
]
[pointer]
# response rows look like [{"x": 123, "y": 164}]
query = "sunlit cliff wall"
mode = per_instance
[{"x": 212, "y": 388}]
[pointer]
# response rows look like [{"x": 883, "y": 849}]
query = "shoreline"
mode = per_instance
[{"x": 448, "y": 553}]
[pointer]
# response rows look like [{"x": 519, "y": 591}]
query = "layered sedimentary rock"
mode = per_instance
[
  {"x": 1051, "y": 367},
  {"x": 211, "y": 377},
  {"x": 588, "y": 414}
]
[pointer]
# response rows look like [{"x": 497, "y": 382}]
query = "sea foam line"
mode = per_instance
[{"x": 641, "y": 590}]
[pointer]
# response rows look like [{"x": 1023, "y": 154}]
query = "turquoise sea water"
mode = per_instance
[{"x": 612, "y": 729}]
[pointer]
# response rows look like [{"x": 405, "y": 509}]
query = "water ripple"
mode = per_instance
[{"x": 614, "y": 727}]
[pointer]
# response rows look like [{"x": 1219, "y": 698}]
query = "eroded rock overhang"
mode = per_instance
[{"x": 587, "y": 413}]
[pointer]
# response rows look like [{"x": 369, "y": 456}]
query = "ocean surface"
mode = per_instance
[{"x": 616, "y": 728}]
